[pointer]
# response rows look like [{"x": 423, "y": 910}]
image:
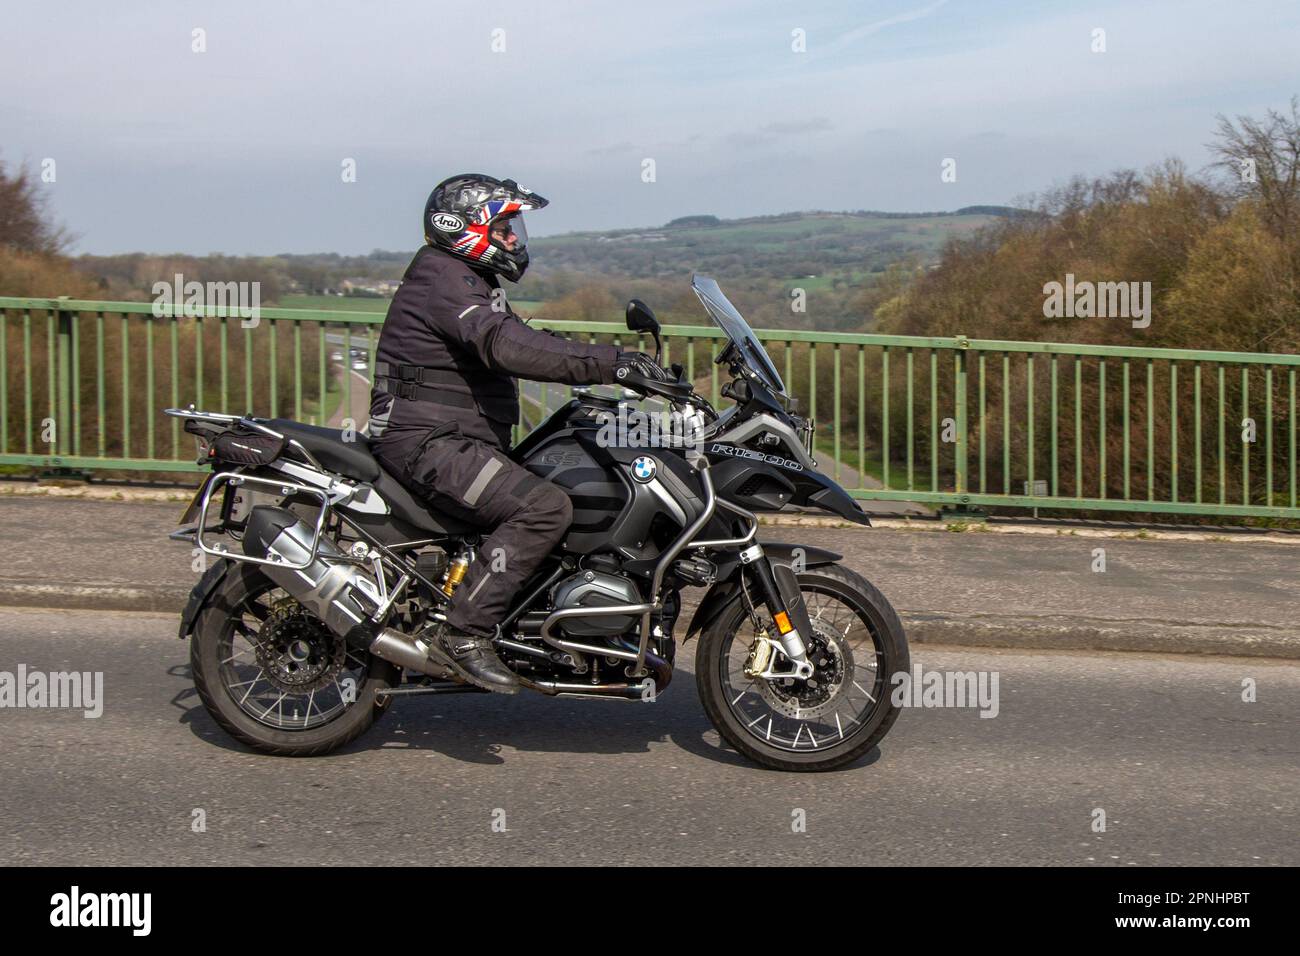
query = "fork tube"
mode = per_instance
[{"x": 792, "y": 642}]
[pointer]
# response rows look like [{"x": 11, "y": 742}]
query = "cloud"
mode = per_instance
[
  {"x": 780, "y": 131},
  {"x": 870, "y": 29},
  {"x": 626, "y": 146},
  {"x": 248, "y": 137}
]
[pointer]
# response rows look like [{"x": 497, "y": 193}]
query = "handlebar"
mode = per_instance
[{"x": 680, "y": 392}]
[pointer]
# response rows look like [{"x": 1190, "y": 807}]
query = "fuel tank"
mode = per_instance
[{"x": 630, "y": 501}]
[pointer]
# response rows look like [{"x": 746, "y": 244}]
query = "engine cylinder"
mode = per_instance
[{"x": 594, "y": 589}]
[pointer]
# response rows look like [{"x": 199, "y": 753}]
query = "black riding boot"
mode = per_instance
[{"x": 474, "y": 658}]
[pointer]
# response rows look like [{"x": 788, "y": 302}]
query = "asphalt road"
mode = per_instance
[{"x": 1186, "y": 772}]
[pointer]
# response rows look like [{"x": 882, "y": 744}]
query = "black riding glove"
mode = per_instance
[{"x": 631, "y": 366}]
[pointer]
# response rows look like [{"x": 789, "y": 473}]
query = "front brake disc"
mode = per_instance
[{"x": 832, "y": 661}]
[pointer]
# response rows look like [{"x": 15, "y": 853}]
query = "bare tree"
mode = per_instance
[
  {"x": 1262, "y": 161},
  {"x": 24, "y": 224}
]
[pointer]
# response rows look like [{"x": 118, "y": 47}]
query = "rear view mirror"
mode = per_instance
[{"x": 641, "y": 319}]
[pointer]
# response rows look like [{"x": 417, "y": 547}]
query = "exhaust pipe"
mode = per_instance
[
  {"x": 413, "y": 654},
  {"x": 661, "y": 672},
  {"x": 620, "y": 691}
]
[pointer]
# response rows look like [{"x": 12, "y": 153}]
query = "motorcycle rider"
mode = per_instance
[{"x": 445, "y": 398}]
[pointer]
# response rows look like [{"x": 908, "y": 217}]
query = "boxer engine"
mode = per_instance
[{"x": 595, "y": 589}]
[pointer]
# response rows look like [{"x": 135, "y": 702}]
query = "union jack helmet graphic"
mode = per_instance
[{"x": 480, "y": 219}]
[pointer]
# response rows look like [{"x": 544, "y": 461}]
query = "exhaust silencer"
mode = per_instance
[{"x": 337, "y": 592}]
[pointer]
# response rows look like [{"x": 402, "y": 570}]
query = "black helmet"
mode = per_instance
[{"x": 481, "y": 220}]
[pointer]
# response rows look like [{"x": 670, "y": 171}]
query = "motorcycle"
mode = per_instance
[{"x": 330, "y": 578}]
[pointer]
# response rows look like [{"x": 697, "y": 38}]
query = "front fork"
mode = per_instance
[{"x": 788, "y": 614}]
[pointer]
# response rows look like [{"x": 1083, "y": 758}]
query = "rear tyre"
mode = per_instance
[
  {"x": 832, "y": 719},
  {"x": 275, "y": 678}
]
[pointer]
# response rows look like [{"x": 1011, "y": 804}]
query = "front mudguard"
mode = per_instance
[{"x": 727, "y": 588}]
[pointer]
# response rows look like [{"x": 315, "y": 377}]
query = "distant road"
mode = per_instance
[{"x": 359, "y": 411}]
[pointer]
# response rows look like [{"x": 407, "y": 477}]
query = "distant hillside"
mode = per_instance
[
  {"x": 839, "y": 260},
  {"x": 791, "y": 246},
  {"x": 833, "y": 256}
]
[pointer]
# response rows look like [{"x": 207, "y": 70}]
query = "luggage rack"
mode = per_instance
[
  {"x": 225, "y": 480},
  {"x": 224, "y": 418},
  {"x": 283, "y": 489}
]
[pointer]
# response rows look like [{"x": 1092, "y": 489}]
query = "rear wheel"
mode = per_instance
[
  {"x": 834, "y": 717},
  {"x": 275, "y": 677}
]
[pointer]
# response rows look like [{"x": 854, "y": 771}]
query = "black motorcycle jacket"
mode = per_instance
[{"x": 450, "y": 349}]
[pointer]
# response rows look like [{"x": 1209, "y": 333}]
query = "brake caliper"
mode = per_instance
[{"x": 760, "y": 655}]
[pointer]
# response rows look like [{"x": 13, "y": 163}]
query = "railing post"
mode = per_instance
[
  {"x": 63, "y": 387},
  {"x": 963, "y": 346}
]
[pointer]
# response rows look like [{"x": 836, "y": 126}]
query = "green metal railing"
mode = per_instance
[{"x": 940, "y": 420}]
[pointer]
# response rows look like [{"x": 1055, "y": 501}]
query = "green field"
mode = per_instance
[
  {"x": 526, "y": 306},
  {"x": 825, "y": 453},
  {"x": 334, "y": 303},
  {"x": 775, "y": 247}
]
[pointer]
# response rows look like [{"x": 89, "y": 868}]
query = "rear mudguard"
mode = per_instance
[
  {"x": 727, "y": 587},
  {"x": 201, "y": 594}
]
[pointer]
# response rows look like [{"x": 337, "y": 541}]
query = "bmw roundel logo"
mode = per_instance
[{"x": 643, "y": 469}]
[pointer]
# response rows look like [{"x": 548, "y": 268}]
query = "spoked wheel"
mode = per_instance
[
  {"x": 829, "y": 719},
  {"x": 275, "y": 677}
]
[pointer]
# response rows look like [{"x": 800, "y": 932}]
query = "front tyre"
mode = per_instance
[
  {"x": 835, "y": 716},
  {"x": 275, "y": 678}
]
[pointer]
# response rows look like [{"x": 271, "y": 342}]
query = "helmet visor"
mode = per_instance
[{"x": 509, "y": 233}]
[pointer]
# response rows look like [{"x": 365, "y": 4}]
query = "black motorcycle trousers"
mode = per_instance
[{"x": 475, "y": 482}]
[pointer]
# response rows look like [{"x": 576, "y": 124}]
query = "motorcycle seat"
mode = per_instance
[{"x": 353, "y": 459}]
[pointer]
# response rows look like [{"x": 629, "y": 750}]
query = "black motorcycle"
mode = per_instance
[{"x": 330, "y": 578}]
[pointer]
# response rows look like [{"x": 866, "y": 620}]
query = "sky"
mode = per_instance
[{"x": 241, "y": 148}]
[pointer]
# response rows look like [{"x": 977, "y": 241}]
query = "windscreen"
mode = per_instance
[{"x": 738, "y": 330}]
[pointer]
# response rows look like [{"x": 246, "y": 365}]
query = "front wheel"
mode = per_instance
[{"x": 828, "y": 720}]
